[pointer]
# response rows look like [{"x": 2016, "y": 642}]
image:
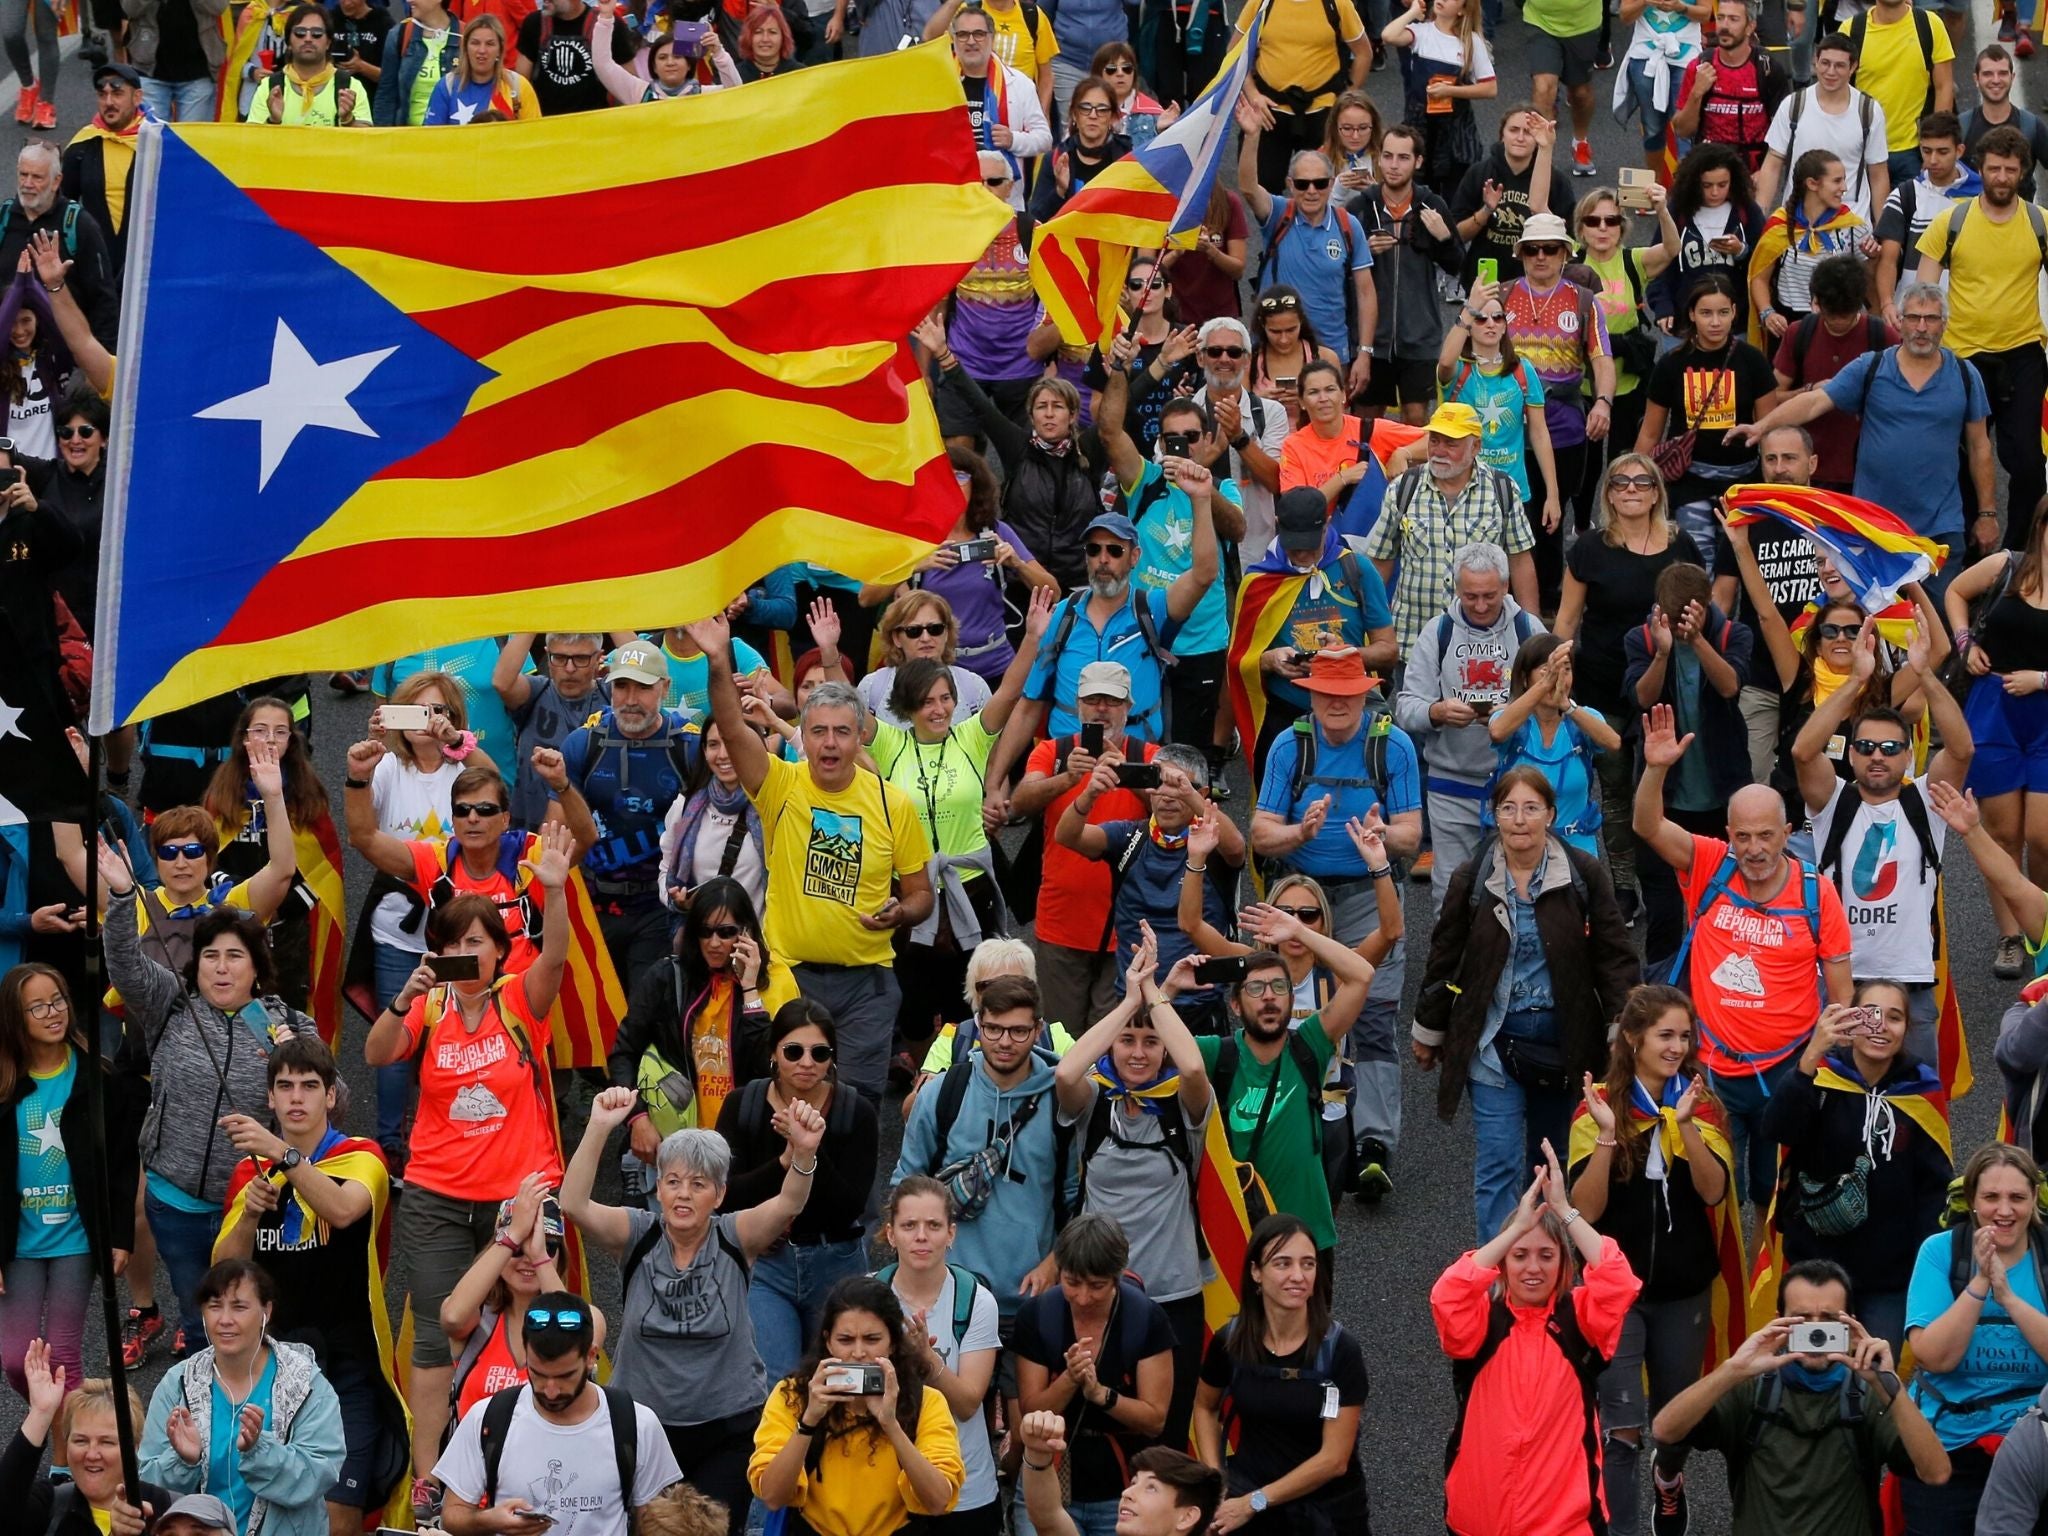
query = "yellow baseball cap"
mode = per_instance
[{"x": 1454, "y": 418}]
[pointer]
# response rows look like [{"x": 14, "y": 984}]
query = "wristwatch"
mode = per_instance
[
  {"x": 291, "y": 1159},
  {"x": 1258, "y": 1501},
  {"x": 1241, "y": 441}
]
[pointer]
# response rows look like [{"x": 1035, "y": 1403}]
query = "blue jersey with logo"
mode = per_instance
[
  {"x": 51, "y": 1226},
  {"x": 629, "y": 786}
]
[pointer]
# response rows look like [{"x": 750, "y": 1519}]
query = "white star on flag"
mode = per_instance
[
  {"x": 10, "y": 721},
  {"x": 300, "y": 393}
]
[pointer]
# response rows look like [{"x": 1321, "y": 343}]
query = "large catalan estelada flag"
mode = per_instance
[
  {"x": 1874, "y": 550},
  {"x": 386, "y": 389},
  {"x": 1153, "y": 197}
]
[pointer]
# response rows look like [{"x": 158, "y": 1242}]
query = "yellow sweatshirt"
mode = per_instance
[{"x": 859, "y": 1488}]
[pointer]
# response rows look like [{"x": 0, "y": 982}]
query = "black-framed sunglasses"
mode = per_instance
[
  {"x": 309, "y": 32},
  {"x": 1275, "y": 304},
  {"x": 1119, "y": 69},
  {"x": 997, "y": 181},
  {"x": 1869, "y": 748},
  {"x": 68, "y": 433},
  {"x": 1544, "y": 248},
  {"x": 929, "y": 631},
  {"x": 557, "y": 1319},
  {"x": 1311, "y": 183},
  {"x": 476, "y": 808},
  {"x": 165, "y": 852},
  {"x": 1114, "y": 551},
  {"x": 791, "y": 1051},
  {"x": 1230, "y": 352},
  {"x": 726, "y": 931},
  {"x": 1301, "y": 914},
  {"x": 1838, "y": 631},
  {"x": 1602, "y": 220},
  {"x": 1632, "y": 482}
]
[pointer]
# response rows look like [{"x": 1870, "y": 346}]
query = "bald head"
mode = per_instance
[{"x": 1757, "y": 831}]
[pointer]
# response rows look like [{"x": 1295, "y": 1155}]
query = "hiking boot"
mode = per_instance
[
  {"x": 1670, "y": 1517},
  {"x": 138, "y": 1332},
  {"x": 46, "y": 115},
  {"x": 426, "y": 1504},
  {"x": 25, "y": 106},
  {"x": 1372, "y": 1183},
  {"x": 1582, "y": 159},
  {"x": 1425, "y": 861},
  {"x": 2011, "y": 958}
]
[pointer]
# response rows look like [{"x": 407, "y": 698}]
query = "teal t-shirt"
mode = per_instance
[
  {"x": 470, "y": 663},
  {"x": 689, "y": 681},
  {"x": 1502, "y": 400},
  {"x": 1166, "y": 549},
  {"x": 51, "y": 1226},
  {"x": 223, "y": 1461},
  {"x": 1998, "y": 1362}
]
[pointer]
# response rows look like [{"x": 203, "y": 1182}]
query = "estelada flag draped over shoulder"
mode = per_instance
[
  {"x": 386, "y": 389},
  {"x": 1730, "y": 1325}
]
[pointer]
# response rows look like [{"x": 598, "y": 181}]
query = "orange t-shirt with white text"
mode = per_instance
[
  {"x": 1755, "y": 975},
  {"x": 484, "y": 1121}
]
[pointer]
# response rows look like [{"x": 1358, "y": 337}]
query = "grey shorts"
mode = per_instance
[
  {"x": 440, "y": 1238},
  {"x": 1571, "y": 59}
]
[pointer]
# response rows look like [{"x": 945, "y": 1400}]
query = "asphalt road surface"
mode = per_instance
[{"x": 1388, "y": 1256}]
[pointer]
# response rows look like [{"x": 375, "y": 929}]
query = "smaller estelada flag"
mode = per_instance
[{"x": 40, "y": 779}]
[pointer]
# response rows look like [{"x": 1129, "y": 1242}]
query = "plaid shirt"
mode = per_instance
[{"x": 1419, "y": 527}]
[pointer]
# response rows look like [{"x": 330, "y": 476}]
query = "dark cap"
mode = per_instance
[
  {"x": 128, "y": 74},
  {"x": 1303, "y": 516}
]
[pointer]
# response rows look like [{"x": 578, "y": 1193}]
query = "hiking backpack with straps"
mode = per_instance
[
  {"x": 952, "y": 1095},
  {"x": 497, "y": 1421},
  {"x": 967, "y": 1285},
  {"x": 1912, "y": 804},
  {"x": 1866, "y": 110},
  {"x": 1769, "y": 1412},
  {"x": 1562, "y": 1329},
  {"x": 67, "y": 226},
  {"x": 1223, "y": 1080},
  {"x": 1148, "y": 630},
  {"x": 1270, "y": 255},
  {"x": 637, "y": 1254},
  {"x": 1923, "y": 32},
  {"x": 1958, "y": 215},
  {"x": 1297, "y": 97},
  {"x": 1802, "y": 342},
  {"x": 1721, "y": 886}
]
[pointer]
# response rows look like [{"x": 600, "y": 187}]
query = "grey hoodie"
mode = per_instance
[
  {"x": 203, "y": 1064},
  {"x": 2017, "y": 1492},
  {"x": 1015, "y": 1229},
  {"x": 1475, "y": 667}
]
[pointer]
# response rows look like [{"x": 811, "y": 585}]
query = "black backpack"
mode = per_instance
[
  {"x": 1923, "y": 31},
  {"x": 1802, "y": 341},
  {"x": 625, "y": 1441},
  {"x": 637, "y": 1254},
  {"x": 1223, "y": 1078},
  {"x": 1586, "y": 1362},
  {"x": 1148, "y": 628}
]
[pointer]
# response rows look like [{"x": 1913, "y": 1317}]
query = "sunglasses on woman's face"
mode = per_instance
[
  {"x": 1118, "y": 69},
  {"x": 68, "y": 433},
  {"x": 1838, "y": 631},
  {"x": 1301, "y": 914},
  {"x": 791, "y": 1051},
  {"x": 1601, "y": 220},
  {"x": 1631, "y": 482},
  {"x": 726, "y": 931},
  {"x": 1543, "y": 248},
  {"x": 165, "y": 852},
  {"x": 930, "y": 631}
]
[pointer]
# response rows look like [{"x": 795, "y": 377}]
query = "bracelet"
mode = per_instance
[
  {"x": 1972, "y": 1292},
  {"x": 1198, "y": 869},
  {"x": 1766, "y": 312},
  {"x": 114, "y": 895},
  {"x": 53, "y": 287},
  {"x": 355, "y": 783},
  {"x": 803, "y": 1173},
  {"x": 461, "y": 749},
  {"x": 805, "y": 1429},
  {"x": 1032, "y": 1466},
  {"x": 1605, "y": 1141},
  {"x": 1384, "y": 872}
]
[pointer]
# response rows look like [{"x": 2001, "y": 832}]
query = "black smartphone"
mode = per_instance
[
  {"x": 453, "y": 967},
  {"x": 1177, "y": 445},
  {"x": 1138, "y": 775},
  {"x": 1092, "y": 739},
  {"x": 1220, "y": 970},
  {"x": 975, "y": 549}
]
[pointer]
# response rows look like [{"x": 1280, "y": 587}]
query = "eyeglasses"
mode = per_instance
[
  {"x": 1631, "y": 482},
  {"x": 309, "y": 31},
  {"x": 974, "y": 35},
  {"x": 1544, "y": 248},
  {"x": 476, "y": 808},
  {"x": 1119, "y": 69},
  {"x": 1267, "y": 988},
  {"x": 267, "y": 733},
  {"x": 1302, "y": 914},
  {"x": 726, "y": 931},
  {"x": 1869, "y": 748},
  {"x": 165, "y": 852},
  {"x": 1114, "y": 551},
  {"x": 791, "y": 1051},
  {"x": 557, "y": 1319},
  {"x": 1923, "y": 319},
  {"x": 1310, "y": 183},
  {"x": 1515, "y": 812},
  {"x": 1231, "y": 352},
  {"x": 1838, "y": 631},
  {"x": 49, "y": 1008},
  {"x": 68, "y": 433},
  {"x": 1094, "y": 109},
  {"x": 1601, "y": 220},
  {"x": 573, "y": 658},
  {"x": 1009, "y": 1031},
  {"x": 930, "y": 631}
]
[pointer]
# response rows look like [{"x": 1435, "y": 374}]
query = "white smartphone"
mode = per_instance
[{"x": 404, "y": 717}]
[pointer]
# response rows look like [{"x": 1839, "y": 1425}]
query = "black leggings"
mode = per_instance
[{"x": 714, "y": 1457}]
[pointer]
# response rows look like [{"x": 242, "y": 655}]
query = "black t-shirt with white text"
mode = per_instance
[
  {"x": 359, "y": 40},
  {"x": 564, "y": 73}
]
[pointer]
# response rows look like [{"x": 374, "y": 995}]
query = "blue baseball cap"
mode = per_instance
[{"x": 1116, "y": 523}]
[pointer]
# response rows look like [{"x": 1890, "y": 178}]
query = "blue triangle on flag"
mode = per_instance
[{"x": 231, "y": 298}]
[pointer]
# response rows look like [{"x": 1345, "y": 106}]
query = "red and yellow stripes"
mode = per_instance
[{"x": 696, "y": 313}]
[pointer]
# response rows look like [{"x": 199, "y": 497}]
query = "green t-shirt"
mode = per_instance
[
  {"x": 431, "y": 70},
  {"x": 1291, "y": 1152},
  {"x": 943, "y": 779},
  {"x": 1563, "y": 18},
  {"x": 1810, "y": 1474},
  {"x": 1617, "y": 300}
]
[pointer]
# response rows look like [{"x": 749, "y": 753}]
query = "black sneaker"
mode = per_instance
[
  {"x": 1372, "y": 1183},
  {"x": 1670, "y": 1517}
]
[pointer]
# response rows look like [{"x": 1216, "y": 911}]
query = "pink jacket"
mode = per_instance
[{"x": 1528, "y": 1456}]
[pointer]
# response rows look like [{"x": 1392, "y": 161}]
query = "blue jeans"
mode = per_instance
[
  {"x": 1509, "y": 1124},
  {"x": 184, "y": 101},
  {"x": 1744, "y": 1094},
  {"x": 391, "y": 966},
  {"x": 786, "y": 1297},
  {"x": 184, "y": 1240},
  {"x": 1904, "y": 165}
]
